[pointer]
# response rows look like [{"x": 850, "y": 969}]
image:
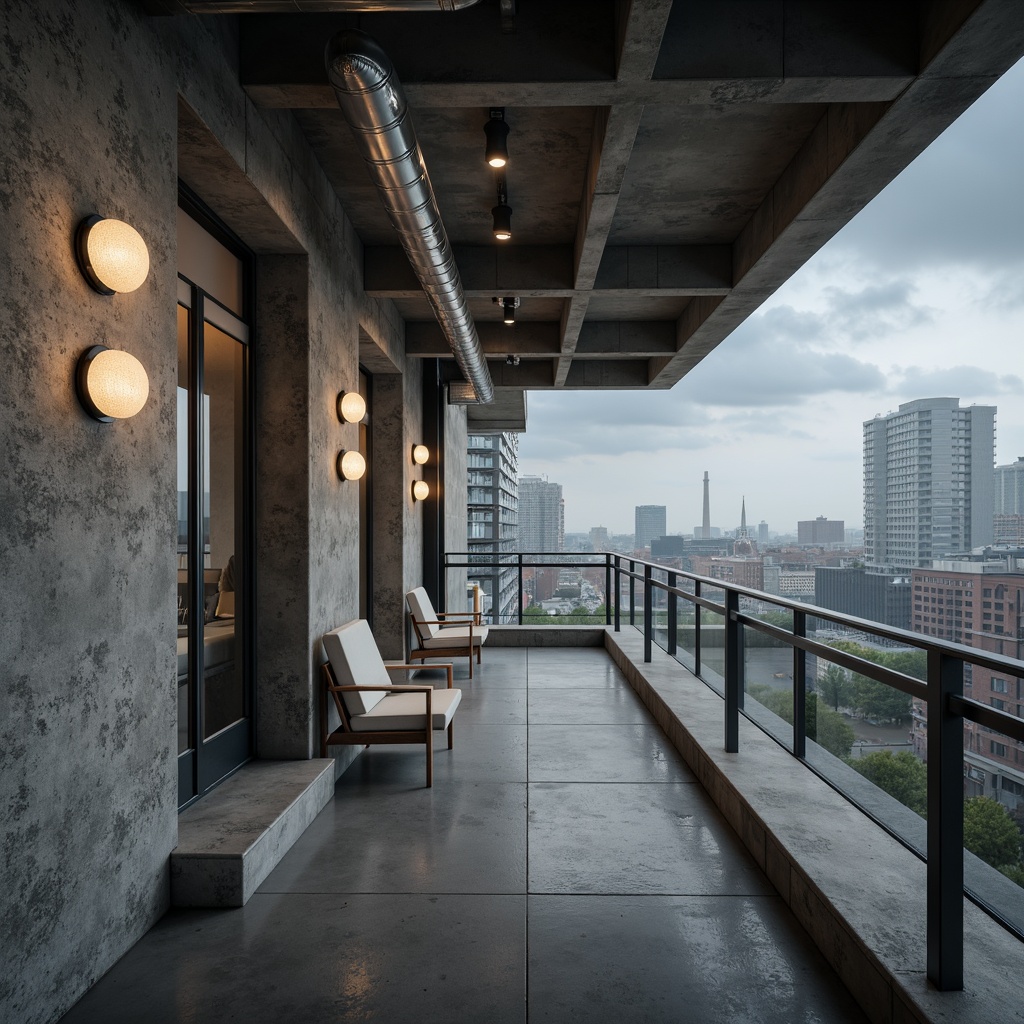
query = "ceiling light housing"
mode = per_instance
[{"x": 496, "y": 131}]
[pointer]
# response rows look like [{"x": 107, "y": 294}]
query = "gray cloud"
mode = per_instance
[
  {"x": 964, "y": 382},
  {"x": 960, "y": 203}
]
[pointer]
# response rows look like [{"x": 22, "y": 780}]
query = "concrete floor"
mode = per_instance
[{"x": 566, "y": 866}]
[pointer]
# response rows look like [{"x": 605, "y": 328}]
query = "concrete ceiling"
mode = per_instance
[{"x": 671, "y": 163}]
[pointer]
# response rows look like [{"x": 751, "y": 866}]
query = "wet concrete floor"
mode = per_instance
[{"x": 565, "y": 866}]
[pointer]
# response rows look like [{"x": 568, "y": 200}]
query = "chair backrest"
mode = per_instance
[
  {"x": 422, "y": 611},
  {"x": 357, "y": 662}
]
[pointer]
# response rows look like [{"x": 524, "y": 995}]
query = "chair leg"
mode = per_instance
[
  {"x": 471, "y": 663},
  {"x": 451, "y": 734},
  {"x": 479, "y": 651},
  {"x": 430, "y": 759}
]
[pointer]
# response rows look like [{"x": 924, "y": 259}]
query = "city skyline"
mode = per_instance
[{"x": 920, "y": 296}]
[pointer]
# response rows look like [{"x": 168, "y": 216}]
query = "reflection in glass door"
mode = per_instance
[{"x": 214, "y": 524}]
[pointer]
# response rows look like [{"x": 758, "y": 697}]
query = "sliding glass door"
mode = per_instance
[{"x": 214, "y": 514}]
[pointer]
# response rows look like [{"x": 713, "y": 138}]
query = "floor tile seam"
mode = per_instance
[
  {"x": 613, "y": 782},
  {"x": 518, "y": 893},
  {"x": 618, "y": 894}
]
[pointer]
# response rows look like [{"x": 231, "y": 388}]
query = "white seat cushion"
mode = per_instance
[
  {"x": 401, "y": 711},
  {"x": 423, "y": 612},
  {"x": 357, "y": 662},
  {"x": 455, "y": 636}
]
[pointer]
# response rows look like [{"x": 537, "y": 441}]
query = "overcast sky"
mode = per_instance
[{"x": 921, "y": 295}]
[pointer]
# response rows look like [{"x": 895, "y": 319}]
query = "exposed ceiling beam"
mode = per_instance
[
  {"x": 640, "y": 33},
  {"x": 546, "y": 270}
]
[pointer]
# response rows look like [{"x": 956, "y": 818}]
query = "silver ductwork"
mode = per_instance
[
  {"x": 301, "y": 6},
  {"x": 372, "y": 100}
]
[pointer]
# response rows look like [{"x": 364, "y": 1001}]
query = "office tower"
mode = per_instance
[
  {"x": 820, "y": 531},
  {"x": 1008, "y": 520},
  {"x": 880, "y": 597},
  {"x": 541, "y": 515},
  {"x": 492, "y": 497},
  {"x": 650, "y": 523},
  {"x": 599, "y": 538},
  {"x": 762, "y": 533},
  {"x": 928, "y": 482}
]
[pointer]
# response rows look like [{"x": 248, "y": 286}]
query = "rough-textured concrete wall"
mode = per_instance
[
  {"x": 88, "y": 122},
  {"x": 87, "y": 607},
  {"x": 455, "y": 498}
]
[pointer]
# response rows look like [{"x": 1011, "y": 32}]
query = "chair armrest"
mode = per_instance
[
  {"x": 418, "y": 668},
  {"x": 394, "y": 687}
]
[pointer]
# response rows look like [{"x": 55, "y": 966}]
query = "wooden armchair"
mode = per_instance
[
  {"x": 371, "y": 708},
  {"x": 436, "y": 636}
]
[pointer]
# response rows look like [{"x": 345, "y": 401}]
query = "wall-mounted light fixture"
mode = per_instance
[
  {"x": 420, "y": 490},
  {"x": 502, "y": 213},
  {"x": 420, "y": 454},
  {"x": 111, "y": 385},
  {"x": 351, "y": 465},
  {"x": 509, "y": 304},
  {"x": 351, "y": 406},
  {"x": 112, "y": 254},
  {"x": 496, "y": 131}
]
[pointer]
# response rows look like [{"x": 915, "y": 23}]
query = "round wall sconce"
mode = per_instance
[
  {"x": 111, "y": 385},
  {"x": 420, "y": 454},
  {"x": 112, "y": 254},
  {"x": 420, "y": 490},
  {"x": 351, "y": 465},
  {"x": 351, "y": 406}
]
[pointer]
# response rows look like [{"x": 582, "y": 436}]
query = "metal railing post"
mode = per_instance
[
  {"x": 618, "y": 593},
  {"x": 945, "y": 928},
  {"x": 648, "y": 613},
  {"x": 696, "y": 630},
  {"x": 800, "y": 687},
  {"x": 670, "y": 643},
  {"x": 632, "y": 593},
  {"x": 733, "y": 671},
  {"x": 607, "y": 589},
  {"x": 519, "y": 573}
]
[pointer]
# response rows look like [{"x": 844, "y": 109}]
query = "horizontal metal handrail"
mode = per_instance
[{"x": 942, "y": 695}]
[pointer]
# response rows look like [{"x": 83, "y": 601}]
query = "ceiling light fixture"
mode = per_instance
[
  {"x": 502, "y": 213},
  {"x": 111, "y": 254},
  {"x": 509, "y": 304},
  {"x": 496, "y": 131},
  {"x": 111, "y": 385}
]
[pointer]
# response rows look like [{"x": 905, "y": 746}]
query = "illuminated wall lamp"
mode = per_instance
[
  {"x": 351, "y": 406},
  {"x": 111, "y": 385},
  {"x": 420, "y": 454},
  {"x": 351, "y": 465},
  {"x": 420, "y": 490},
  {"x": 112, "y": 255}
]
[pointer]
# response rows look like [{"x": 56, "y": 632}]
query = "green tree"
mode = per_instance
[
  {"x": 876, "y": 700},
  {"x": 990, "y": 832},
  {"x": 823, "y": 725},
  {"x": 901, "y": 775},
  {"x": 834, "y": 686},
  {"x": 1014, "y": 872}
]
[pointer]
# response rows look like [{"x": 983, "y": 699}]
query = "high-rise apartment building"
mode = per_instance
[
  {"x": 1008, "y": 520},
  {"x": 650, "y": 523},
  {"x": 599, "y": 538},
  {"x": 928, "y": 482},
  {"x": 541, "y": 515},
  {"x": 492, "y": 499}
]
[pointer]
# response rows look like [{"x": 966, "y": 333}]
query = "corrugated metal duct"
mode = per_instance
[{"x": 374, "y": 104}]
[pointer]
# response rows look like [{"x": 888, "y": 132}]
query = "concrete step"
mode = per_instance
[{"x": 229, "y": 841}]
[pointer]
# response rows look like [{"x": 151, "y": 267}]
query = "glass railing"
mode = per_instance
[{"x": 879, "y": 713}]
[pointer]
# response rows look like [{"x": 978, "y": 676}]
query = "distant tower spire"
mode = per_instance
[
  {"x": 706, "y": 525},
  {"x": 743, "y": 517}
]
